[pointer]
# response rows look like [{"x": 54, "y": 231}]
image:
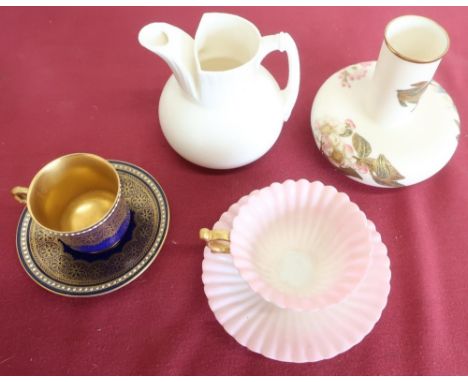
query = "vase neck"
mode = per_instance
[{"x": 409, "y": 57}]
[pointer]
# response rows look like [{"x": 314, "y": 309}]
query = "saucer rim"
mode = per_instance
[{"x": 142, "y": 176}]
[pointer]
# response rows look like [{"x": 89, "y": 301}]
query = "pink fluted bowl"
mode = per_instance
[{"x": 301, "y": 245}]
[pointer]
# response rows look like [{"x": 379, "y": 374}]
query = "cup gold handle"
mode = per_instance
[
  {"x": 217, "y": 239},
  {"x": 20, "y": 194}
]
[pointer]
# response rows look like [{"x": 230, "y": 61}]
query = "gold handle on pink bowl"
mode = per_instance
[
  {"x": 20, "y": 194},
  {"x": 217, "y": 239}
]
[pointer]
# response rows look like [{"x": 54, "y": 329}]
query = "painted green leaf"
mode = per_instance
[
  {"x": 412, "y": 95},
  {"x": 362, "y": 147},
  {"x": 366, "y": 162},
  {"x": 384, "y": 169},
  {"x": 347, "y": 133},
  {"x": 383, "y": 172},
  {"x": 386, "y": 182},
  {"x": 350, "y": 172}
]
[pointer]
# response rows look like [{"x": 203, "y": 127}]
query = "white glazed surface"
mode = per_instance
[
  {"x": 301, "y": 245},
  {"x": 287, "y": 335},
  {"x": 221, "y": 108},
  {"x": 417, "y": 148},
  {"x": 233, "y": 135}
]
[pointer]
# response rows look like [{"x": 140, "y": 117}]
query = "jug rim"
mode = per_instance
[{"x": 243, "y": 64}]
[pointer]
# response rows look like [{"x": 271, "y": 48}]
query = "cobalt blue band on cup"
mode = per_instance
[
  {"x": 110, "y": 241},
  {"x": 104, "y": 235}
]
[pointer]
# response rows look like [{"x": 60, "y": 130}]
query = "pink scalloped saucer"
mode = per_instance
[{"x": 288, "y": 335}]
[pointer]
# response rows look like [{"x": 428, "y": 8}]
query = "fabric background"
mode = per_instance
[{"x": 76, "y": 80}]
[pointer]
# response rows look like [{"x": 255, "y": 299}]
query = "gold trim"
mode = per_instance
[
  {"x": 217, "y": 239},
  {"x": 409, "y": 59}
]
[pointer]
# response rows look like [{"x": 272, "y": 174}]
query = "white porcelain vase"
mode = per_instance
[{"x": 387, "y": 123}]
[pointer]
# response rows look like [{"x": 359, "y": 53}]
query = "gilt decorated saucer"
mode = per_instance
[{"x": 61, "y": 270}]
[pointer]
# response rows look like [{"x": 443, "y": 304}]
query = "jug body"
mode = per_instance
[{"x": 226, "y": 135}]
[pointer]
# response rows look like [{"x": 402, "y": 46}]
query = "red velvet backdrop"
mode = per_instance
[{"x": 76, "y": 80}]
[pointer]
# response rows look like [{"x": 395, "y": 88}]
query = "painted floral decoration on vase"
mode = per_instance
[
  {"x": 413, "y": 94},
  {"x": 351, "y": 153},
  {"x": 353, "y": 73}
]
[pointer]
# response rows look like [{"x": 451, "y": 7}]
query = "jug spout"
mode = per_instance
[{"x": 176, "y": 48}]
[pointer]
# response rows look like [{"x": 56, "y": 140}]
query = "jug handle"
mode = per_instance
[{"x": 283, "y": 42}]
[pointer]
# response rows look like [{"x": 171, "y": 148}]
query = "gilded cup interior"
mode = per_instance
[{"x": 73, "y": 192}]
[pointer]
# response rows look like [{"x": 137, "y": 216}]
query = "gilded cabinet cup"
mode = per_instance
[{"x": 78, "y": 198}]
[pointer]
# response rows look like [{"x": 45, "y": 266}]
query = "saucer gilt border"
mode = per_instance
[{"x": 54, "y": 267}]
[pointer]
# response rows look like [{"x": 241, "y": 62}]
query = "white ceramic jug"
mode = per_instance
[{"x": 221, "y": 108}]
